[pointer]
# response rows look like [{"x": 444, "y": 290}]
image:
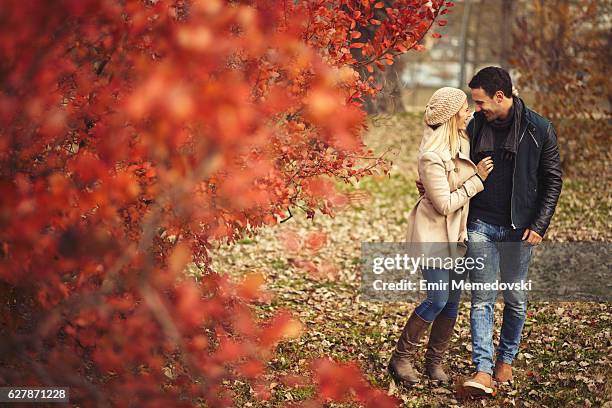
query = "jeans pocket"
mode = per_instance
[
  {"x": 527, "y": 245},
  {"x": 475, "y": 225}
]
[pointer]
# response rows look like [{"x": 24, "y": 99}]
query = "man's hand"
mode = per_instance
[
  {"x": 532, "y": 237},
  {"x": 420, "y": 187}
]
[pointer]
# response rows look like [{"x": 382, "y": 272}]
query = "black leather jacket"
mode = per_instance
[{"x": 536, "y": 184}]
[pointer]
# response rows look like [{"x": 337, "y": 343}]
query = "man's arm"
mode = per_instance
[{"x": 549, "y": 175}]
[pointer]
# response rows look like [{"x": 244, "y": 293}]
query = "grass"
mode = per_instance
[{"x": 564, "y": 356}]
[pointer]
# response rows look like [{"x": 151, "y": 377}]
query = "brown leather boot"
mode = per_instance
[
  {"x": 439, "y": 339},
  {"x": 400, "y": 366},
  {"x": 502, "y": 372}
]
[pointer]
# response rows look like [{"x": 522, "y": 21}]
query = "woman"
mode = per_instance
[{"x": 450, "y": 179}]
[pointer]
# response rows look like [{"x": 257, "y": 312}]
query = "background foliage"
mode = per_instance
[{"x": 134, "y": 134}]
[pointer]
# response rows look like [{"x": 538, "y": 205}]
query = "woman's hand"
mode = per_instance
[
  {"x": 484, "y": 167},
  {"x": 420, "y": 187}
]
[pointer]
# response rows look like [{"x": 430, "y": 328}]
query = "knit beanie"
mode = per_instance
[{"x": 443, "y": 104}]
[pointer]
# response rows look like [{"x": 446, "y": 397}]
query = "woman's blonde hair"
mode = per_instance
[{"x": 445, "y": 137}]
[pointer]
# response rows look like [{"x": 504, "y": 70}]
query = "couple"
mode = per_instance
[{"x": 511, "y": 195}]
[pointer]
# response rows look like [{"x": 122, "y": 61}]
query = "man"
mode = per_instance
[{"x": 508, "y": 218}]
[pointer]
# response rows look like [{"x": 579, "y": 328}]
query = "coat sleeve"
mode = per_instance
[
  {"x": 437, "y": 189},
  {"x": 549, "y": 182}
]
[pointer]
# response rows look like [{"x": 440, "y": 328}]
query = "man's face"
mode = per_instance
[{"x": 490, "y": 107}]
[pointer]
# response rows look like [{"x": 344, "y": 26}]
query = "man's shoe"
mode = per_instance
[
  {"x": 400, "y": 364},
  {"x": 480, "y": 384},
  {"x": 503, "y": 372}
]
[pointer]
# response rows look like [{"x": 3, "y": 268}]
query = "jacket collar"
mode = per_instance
[
  {"x": 527, "y": 120},
  {"x": 446, "y": 156},
  {"x": 465, "y": 145}
]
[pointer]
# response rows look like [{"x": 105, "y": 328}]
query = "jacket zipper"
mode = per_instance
[
  {"x": 514, "y": 171},
  {"x": 534, "y": 139}
]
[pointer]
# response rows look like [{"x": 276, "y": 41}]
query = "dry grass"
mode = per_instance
[{"x": 564, "y": 357}]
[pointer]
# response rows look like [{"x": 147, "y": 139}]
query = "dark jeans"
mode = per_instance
[
  {"x": 504, "y": 252},
  {"x": 442, "y": 300}
]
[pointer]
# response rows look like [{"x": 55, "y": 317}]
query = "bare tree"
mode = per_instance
[
  {"x": 563, "y": 57},
  {"x": 477, "y": 24},
  {"x": 505, "y": 34},
  {"x": 465, "y": 24}
]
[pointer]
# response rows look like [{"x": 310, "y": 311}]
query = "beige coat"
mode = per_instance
[{"x": 441, "y": 214}]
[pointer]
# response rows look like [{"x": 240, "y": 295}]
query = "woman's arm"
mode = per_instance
[{"x": 437, "y": 189}]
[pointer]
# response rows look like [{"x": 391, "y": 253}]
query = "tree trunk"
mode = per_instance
[
  {"x": 506, "y": 33},
  {"x": 465, "y": 24},
  {"x": 389, "y": 100},
  {"x": 476, "y": 36}
]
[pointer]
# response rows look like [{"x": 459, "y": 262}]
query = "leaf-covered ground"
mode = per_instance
[{"x": 564, "y": 358}]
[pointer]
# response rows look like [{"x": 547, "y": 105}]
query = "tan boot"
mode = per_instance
[
  {"x": 439, "y": 340},
  {"x": 400, "y": 366},
  {"x": 503, "y": 372},
  {"x": 480, "y": 384}
]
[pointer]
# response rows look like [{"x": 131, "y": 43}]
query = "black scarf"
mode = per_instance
[{"x": 486, "y": 142}]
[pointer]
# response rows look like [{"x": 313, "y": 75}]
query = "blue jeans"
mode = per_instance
[
  {"x": 503, "y": 250},
  {"x": 443, "y": 299}
]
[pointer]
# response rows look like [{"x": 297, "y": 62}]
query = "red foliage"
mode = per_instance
[
  {"x": 136, "y": 133},
  {"x": 343, "y": 382}
]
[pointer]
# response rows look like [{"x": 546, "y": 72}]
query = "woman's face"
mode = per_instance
[{"x": 463, "y": 116}]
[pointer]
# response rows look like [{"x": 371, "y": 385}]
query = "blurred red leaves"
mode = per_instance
[
  {"x": 282, "y": 326},
  {"x": 316, "y": 240},
  {"x": 311, "y": 242},
  {"x": 133, "y": 136},
  {"x": 343, "y": 382},
  {"x": 251, "y": 286}
]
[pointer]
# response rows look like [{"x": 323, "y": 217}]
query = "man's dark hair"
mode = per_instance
[{"x": 491, "y": 80}]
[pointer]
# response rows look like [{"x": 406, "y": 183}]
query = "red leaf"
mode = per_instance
[
  {"x": 316, "y": 240},
  {"x": 250, "y": 288},
  {"x": 251, "y": 369},
  {"x": 147, "y": 145},
  {"x": 281, "y": 326},
  {"x": 291, "y": 241}
]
